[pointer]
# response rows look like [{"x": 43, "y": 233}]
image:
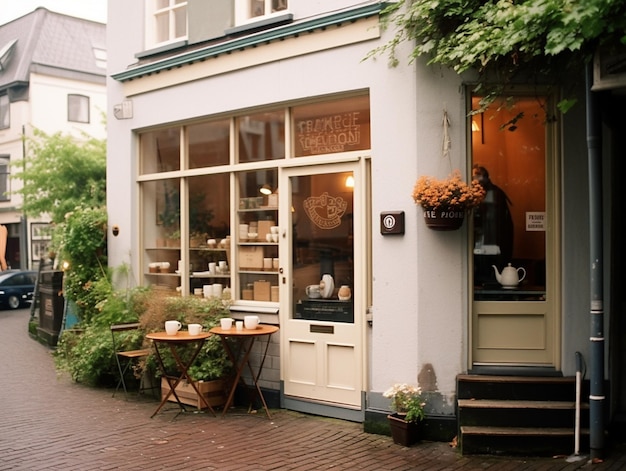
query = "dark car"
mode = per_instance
[{"x": 16, "y": 288}]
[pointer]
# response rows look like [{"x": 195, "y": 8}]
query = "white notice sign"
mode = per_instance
[{"x": 535, "y": 221}]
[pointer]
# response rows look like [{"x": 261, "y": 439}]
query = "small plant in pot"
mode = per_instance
[{"x": 408, "y": 405}]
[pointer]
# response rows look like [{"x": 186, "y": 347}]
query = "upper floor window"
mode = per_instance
[
  {"x": 5, "y": 115},
  {"x": 251, "y": 10},
  {"x": 167, "y": 21},
  {"x": 4, "y": 178},
  {"x": 78, "y": 108}
]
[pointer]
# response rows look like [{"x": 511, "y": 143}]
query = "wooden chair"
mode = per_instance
[{"x": 126, "y": 358}]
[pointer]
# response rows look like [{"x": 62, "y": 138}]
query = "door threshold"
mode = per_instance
[{"x": 509, "y": 370}]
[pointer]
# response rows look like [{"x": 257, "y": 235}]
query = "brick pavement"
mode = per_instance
[{"x": 50, "y": 423}]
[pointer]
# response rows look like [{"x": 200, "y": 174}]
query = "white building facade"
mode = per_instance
[{"x": 214, "y": 103}]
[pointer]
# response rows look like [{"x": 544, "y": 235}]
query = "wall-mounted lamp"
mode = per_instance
[
  {"x": 266, "y": 190},
  {"x": 115, "y": 230},
  {"x": 350, "y": 181}
]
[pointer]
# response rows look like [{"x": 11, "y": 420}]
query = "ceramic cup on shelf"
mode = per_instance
[
  {"x": 207, "y": 290},
  {"x": 226, "y": 323},
  {"x": 251, "y": 322},
  {"x": 345, "y": 293},
  {"x": 239, "y": 325},
  {"x": 172, "y": 327},
  {"x": 194, "y": 329},
  {"x": 313, "y": 291},
  {"x": 212, "y": 268},
  {"x": 217, "y": 290}
]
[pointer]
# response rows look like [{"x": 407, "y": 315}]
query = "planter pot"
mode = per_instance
[
  {"x": 213, "y": 392},
  {"x": 444, "y": 219},
  {"x": 404, "y": 433}
]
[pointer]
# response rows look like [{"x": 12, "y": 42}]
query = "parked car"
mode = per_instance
[{"x": 17, "y": 288}]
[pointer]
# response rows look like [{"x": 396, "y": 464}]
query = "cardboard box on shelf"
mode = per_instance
[
  {"x": 262, "y": 290},
  {"x": 264, "y": 228},
  {"x": 251, "y": 258}
]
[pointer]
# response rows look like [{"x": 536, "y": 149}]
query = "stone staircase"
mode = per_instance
[{"x": 519, "y": 415}]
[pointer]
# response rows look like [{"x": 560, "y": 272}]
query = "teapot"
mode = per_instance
[{"x": 510, "y": 276}]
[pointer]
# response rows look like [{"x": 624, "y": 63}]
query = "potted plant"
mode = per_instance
[
  {"x": 212, "y": 367},
  {"x": 445, "y": 201},
  {"x": 408, "y": 404}
]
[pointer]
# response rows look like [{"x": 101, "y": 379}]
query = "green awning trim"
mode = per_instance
[{"x": 254, "y": 40}]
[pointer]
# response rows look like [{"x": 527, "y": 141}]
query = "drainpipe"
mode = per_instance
[{"x": 596, "y": 339}]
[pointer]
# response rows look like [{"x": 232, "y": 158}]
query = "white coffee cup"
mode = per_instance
[
  {"x": 172, "y": 327},
  {"x": 251, "y": 322},
  {"x": 226, "y": 323},
  {"x": 222, "y": 265},
  {"x": 313, "y": 291},
  {"x": 239, "y": 325},
  {"x": 207, "y": 290},
  {"x": 217, "y": 290},
  {"x": 194, "y": 329},
  {"x": 274, "y": 229},
  {"x": 212, "y": 267}
]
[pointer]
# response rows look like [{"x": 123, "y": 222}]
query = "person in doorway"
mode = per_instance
[{"x": 493, "y": 228}]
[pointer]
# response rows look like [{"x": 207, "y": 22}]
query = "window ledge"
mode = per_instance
[{"x": 164, "y": 48}]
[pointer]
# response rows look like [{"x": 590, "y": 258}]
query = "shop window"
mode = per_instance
[
  {"x": 261, "y": 136},
  {"x": 78, "y": 108},
  {"x": 331, "y": 127},
  {"x": 209, "y": 144},
  {"x": 166, "y": 21},
  {"x": 251, "y": 10},
  {"x": 160, "y": 150},
  {"x": 5, "y": 178},
  {"x": 5, "y": 115},
  {"x": 509, "y": 158}
]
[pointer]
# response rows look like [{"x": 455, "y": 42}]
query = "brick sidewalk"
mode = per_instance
[{"x": 51, "y": 423}]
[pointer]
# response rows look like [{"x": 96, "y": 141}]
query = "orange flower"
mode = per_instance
[{"x": 451, "y": 193}]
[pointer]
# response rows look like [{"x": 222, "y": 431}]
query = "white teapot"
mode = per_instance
[{"x": 510, "y": 276}]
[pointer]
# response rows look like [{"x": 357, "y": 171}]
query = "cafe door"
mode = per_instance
[
  {"x": 515, "y": 309},
  {"x": 322, "y": 332}
]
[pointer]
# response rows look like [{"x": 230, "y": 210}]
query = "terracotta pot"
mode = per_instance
[
  {"x": 444, "y": 219},
  {"x": 403, "y": 433}
]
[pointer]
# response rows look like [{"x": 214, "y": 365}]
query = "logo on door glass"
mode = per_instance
[{"x": 325, "y": 211}]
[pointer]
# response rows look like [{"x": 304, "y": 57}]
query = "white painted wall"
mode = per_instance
[{"x": 419, "y": 297}]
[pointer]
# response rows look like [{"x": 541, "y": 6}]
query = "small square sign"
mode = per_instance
[{"x": 392, "y": 222}]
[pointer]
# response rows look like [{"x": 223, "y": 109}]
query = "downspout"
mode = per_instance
[
  {"x": 24, "y": 252},
  {"x": 596, "y": 339}
]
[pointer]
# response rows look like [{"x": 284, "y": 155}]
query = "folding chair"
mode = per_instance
[{"x": 126, "y": 358}]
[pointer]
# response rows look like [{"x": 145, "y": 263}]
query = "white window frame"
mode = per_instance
[
  {"x": 5, "y": 177},
  {"x": 243, "y": 7},
  {"x": 152, "y": 14}
]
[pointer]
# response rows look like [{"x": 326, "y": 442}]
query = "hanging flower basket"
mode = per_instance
[
  {"x": 446, "y": 201},
  {"x": 444, "y": 219}
]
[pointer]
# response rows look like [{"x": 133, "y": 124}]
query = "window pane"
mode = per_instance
[
  {"x": 262, "y": 136},
  {"x": 330, "y": 127},
  {"x": 160, "y": 151},
  {"x": 209, "y": 144},
  {"x": 257, "y": 8},
  {"x": 78, "y": 108},
  {"x": 279, "y": 5},
  {"x": 209, "y": 219},
  {"x": 180, "y": 22},
  {"x": 509, "y": 158},
  {"x": 4, "y": 178},
  {"x": 162, "y": 24},
  {"x": 5, "y": 116}
]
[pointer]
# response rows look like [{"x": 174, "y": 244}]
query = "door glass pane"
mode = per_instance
[
  {"x": 509, "y": 158},
  {"x": 322, "y": 246},
  {"x": 160, "y": 150}
]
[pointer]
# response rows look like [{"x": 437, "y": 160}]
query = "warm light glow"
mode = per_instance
[
  {"x": 350, "y": 181},
  {"x": 266, "y": 190},
  {"x": 66, "y": 265},
  {"x": 475, "y": 126}
]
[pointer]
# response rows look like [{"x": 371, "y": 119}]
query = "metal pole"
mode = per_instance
[{"x": 596, "y": 339}]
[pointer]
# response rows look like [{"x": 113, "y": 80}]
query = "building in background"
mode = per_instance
[{"x": 52, "y": 77}]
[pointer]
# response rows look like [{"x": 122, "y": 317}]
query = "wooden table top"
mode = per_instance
[
  {"x": 262, "y": 329},
  {"x": 181, "y": 336}
]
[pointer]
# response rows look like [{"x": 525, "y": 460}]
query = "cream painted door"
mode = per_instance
[
  {"x": 515, "y": 324},
  {"x": 322, "y": 336}
]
